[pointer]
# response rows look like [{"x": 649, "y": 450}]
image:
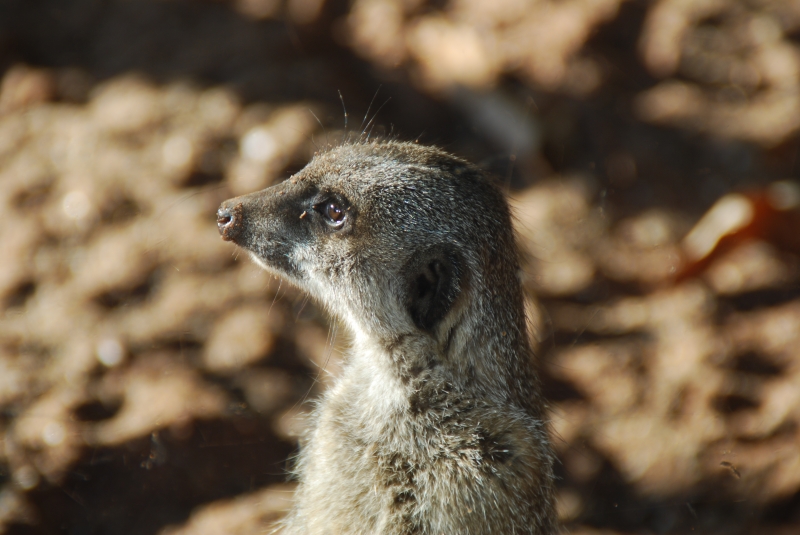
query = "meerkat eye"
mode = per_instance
[{"x": 333, "y": 212}]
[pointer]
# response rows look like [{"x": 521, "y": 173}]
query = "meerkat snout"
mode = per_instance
[
  {"x": 229, "y": 221},
  {"x": 436, "y": 424}
]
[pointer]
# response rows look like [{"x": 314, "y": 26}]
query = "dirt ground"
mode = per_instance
[{"x": 154, "y": 381}]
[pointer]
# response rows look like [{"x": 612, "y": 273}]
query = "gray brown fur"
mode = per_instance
[{"x": 436, "y": 425}]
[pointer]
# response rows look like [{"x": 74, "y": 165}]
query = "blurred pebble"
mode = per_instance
[
  {"x": 569, "y": 505},
  {"x": 110, "y": 352},
  {"x": 218, "y": 109},
  {"x": 451, "y": 54},
  {"x": 784, "y": 195},
  {"x": 241, "y": 338},
  {"x": 26, "y": 477},
  {"x": 650, "y": 229},
  {"x": 126, "y": 105},
  {"x": 53, "y": 434},
  {"x": 76, "y": 205},
  {"x": 730, "y": 214},
  {"x": 177, "y": 151},
  {"x": 566, "y": 273},
  {"x": 266, "y": 390},
  {"x": 749, "y": 267},
  {"x": 23, "y": 86},
  {"x": 259, "y": 144},
  {"x": 246, "y": 514},
  {"x": 292, "y": 424}
]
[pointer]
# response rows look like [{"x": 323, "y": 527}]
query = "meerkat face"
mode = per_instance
[{"x": 378, "y": 233}]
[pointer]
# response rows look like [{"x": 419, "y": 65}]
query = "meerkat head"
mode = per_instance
[{"x": 393, "y": 238}]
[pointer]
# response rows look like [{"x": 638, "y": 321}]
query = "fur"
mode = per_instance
[{"x": 436, "y": 425}]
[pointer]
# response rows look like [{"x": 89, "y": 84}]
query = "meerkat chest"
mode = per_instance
[
  {"x": 388, "y": 453},
  {"x": 409, "y": 435},
  {"x": 412, "y": 465}
]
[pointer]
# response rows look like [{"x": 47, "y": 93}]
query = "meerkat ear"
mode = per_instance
[{"x": 434, "y": 284}]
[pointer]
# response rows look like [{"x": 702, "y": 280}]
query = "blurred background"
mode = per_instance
[{"x": 154, "y": 381}]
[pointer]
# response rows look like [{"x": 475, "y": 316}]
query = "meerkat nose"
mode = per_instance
[{"x": 229, "y": 221}]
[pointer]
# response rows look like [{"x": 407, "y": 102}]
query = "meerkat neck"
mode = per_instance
[
  {"x": 493, "y": 350},
  {"x": 483, "y": 349}
]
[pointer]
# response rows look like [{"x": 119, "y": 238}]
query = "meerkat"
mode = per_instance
[{"x": 436, "y": 424}]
